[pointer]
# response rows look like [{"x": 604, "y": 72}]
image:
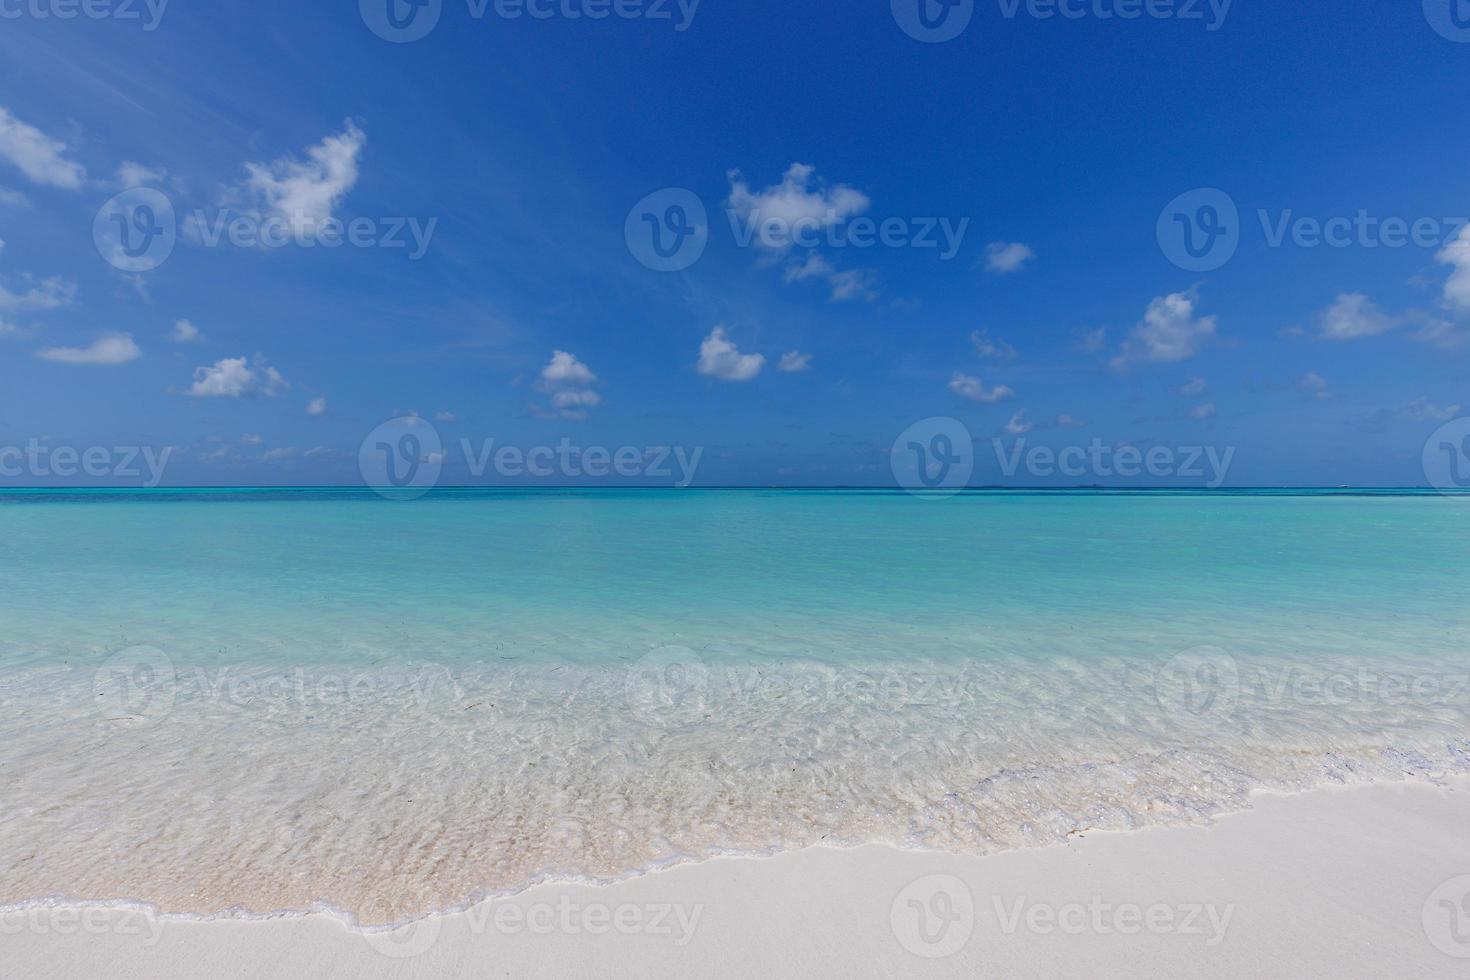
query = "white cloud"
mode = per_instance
[
  {"x": 37, "y": 155},
  {"x": 1169, "y": 331},
  {"x": 569, "y": 383},
  {"x": 1197, "y": 386},
  {"x": 445, "y": 417},
  {"x": 1202, "y": 412},
  {"x": 794, "y": 362},
  {"x": 317, "y": 406},
  {"x": 111, "y": 349},
  {"x": 130, "y": 174},
  {"x": 1005, "y": 257},
  {"x": 853, "y": 284},
  {"x": 792, "y": 209},
  {"x": 814, "y": 267},
  {"x": 565, "y": 369},
  {"x": 1353, "y": 315},
  {"x": 1018, "y": 425},
  {"x": 237, "y": 377},
  {"x": 305, "y": 193},
  {"x": 986, "y": 347},
  {"x": 1422, "y": 409},
  {"x": 1457, "y": 254},
  {"x": 13, "y": 199},
  {"x": 1315, "y": 385},
  {"x": 251, "y": 439},
  {"x": 1065, "y": 421},
  {"x": 185, "y": 332},
  {"x": 972, "y": 388},
  {"x": 48, "y": 294},
  {"x": 719, "y": 358},
  {"x": 1444, "y": 335}
]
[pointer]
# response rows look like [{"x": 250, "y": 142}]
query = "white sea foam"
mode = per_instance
[{"x": 386, "y": 793}]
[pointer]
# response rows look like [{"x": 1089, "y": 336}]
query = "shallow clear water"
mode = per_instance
[{"x": 262, "y": 701}]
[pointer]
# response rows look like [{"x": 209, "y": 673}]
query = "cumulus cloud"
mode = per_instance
[
  {"x": 794, "y": 362},
  {"x": 971, "y": 388},
  {"x": 781, "y": 215},
  {"x": 185, "y": 332},
  {"x": 569, "y": 383},
  {"x": 37, "y": 155},
  {"x": 1169, "y": 331},
  {"x": 1006, "y": 257},
  {"x": 317, "y": 406},
  {"x": 304, "y": 193},
  {"x": 719, "y": 358},
  {"x": 108, "y": 350},
  {"x": 1353, "y": 315},
  {"x": 996, "y": 349},
  {"x": 1457, "y": 255},
  {"x": 237, "y": 377}
]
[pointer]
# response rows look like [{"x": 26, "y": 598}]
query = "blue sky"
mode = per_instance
[{"x": 519, "y": 148}]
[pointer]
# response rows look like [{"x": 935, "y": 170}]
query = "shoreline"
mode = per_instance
[
  {"x": 1340, "y": 879},
  {"x": 353, "y": 921}
]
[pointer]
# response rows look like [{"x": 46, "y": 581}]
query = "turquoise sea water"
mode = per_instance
[{"x": 270, "y": 700}]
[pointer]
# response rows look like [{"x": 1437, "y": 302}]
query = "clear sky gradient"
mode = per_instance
[{"x": 1061, "y": 303}]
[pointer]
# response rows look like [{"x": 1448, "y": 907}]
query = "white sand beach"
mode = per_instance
[{"x": 1365, "y": 882}]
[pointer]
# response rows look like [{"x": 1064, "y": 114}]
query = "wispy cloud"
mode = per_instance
[
  {"x": 107, "y": 351},
  {"x": 37, "y": 155}
]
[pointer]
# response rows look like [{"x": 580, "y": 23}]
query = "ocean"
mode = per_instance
[{"x": 255, "y": 702}]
